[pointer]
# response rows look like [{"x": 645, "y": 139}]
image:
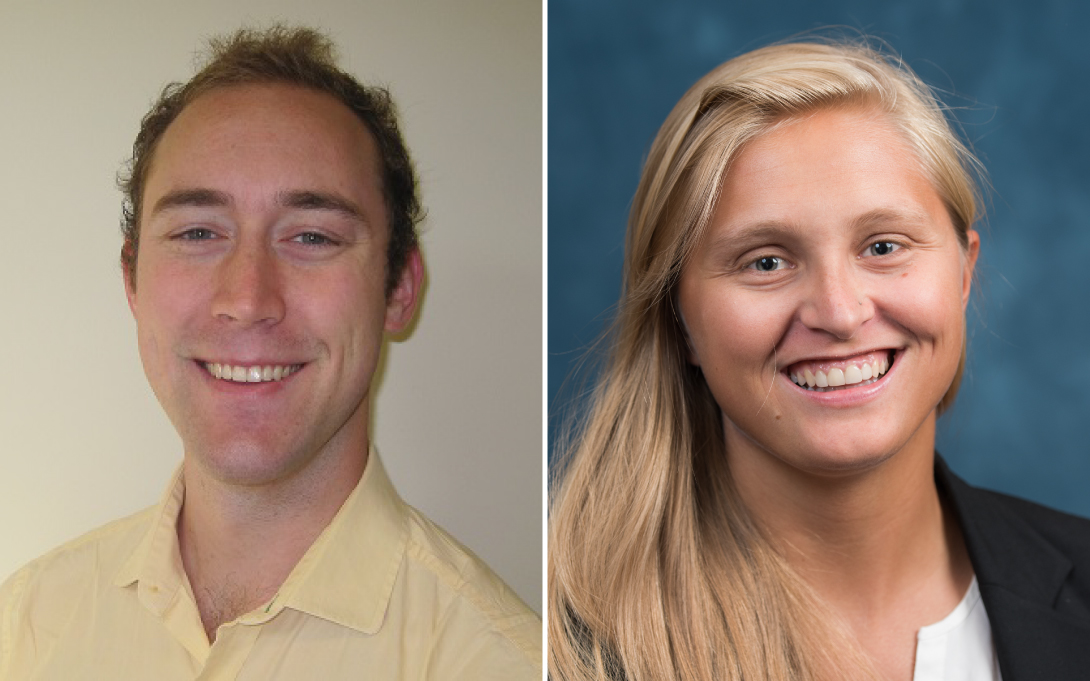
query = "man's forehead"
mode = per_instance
[
  {"x": 261, "y": 130},
  {"x": 264, "y": 108}
]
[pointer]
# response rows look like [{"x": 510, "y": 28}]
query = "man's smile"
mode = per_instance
[{"x": 250, "y": 373}]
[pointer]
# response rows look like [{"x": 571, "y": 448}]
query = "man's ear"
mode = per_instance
[
  {"x": 401, "y": 303},
  {"x": 128, "y": 271}
]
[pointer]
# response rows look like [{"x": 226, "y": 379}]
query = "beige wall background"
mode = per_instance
[{"x": 458, "y": 417}]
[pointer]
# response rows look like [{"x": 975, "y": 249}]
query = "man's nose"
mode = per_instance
[
  {"x": 837, "y": 302},
  {"x": 249, "y": 289}
]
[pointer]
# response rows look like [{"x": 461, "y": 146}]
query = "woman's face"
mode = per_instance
[{"x": 830, "y": 261}]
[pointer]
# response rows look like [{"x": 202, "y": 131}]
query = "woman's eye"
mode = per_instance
[
  {"x": 768, "y": 263},
  {"x": 882, "y": 248}
]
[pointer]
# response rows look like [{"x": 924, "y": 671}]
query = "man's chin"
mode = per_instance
[{"x": 245, "y": 463}]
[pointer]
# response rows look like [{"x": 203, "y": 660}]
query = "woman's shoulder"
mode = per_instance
[
  {"x": 1033, "y": 567},
  {"x": 1001, "y": 519}
]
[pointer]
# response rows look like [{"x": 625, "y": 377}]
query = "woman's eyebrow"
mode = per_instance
[
  {"x": 879, "y": 216},
  {"x": 764, "y": 232},
  {"x": 753, "y": 235}
]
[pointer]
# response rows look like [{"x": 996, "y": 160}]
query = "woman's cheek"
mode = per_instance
[{"x": 927, "y": 305}]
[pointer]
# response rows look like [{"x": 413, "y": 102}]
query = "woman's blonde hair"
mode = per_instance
[{"x": 656, "y": 570}]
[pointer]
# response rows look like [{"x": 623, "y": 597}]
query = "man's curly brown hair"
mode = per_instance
[{"x": 293, "y": 56}]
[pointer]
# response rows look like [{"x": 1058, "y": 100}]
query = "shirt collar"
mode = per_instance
[
  {"x": 347, "y": 575},
  {"x": 155, "y": 566}
]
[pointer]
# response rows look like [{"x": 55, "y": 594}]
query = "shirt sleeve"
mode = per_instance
[
  {"x": 12, "y": 594},
  {"x": 473, "y": 650}
]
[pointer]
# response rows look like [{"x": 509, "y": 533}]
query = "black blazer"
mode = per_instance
[{"x": 1033, "y": 568}]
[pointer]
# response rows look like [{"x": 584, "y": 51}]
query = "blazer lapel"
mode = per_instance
[
  {"x": 1035, "y": 642},
  {"x": 1022, "y": 577}
]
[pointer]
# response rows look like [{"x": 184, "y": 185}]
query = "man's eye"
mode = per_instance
[
  {"x": 882, "y": 248},
  {"x": 768, "y": 263},
  {"x": 314, "y": 239},
  {"x": 197, "y": 234}
]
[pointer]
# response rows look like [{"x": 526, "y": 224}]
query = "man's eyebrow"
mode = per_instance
[
  {"x": 190, "y": 197},
  {"x": 314, "y": 200}
]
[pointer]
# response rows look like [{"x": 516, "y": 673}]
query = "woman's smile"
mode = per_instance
[{"x": 835, "y": 374}]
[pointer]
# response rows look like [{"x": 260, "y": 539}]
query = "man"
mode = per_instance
[{"x": 269, "y": 243}]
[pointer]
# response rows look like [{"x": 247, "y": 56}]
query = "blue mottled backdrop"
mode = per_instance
[{"x": 1021, "y": 73}]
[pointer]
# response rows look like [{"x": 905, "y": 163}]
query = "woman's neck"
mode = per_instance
[{"x": 874, "y": 542}]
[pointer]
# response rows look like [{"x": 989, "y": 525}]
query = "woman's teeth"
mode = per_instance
[
  {"x": 861, "y": 372},
  {"x": 251, "y": 374}
]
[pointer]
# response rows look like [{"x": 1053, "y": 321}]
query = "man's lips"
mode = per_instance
[
  {"x": 830, "y": 374},
  {"x": 250, "y": 373}
]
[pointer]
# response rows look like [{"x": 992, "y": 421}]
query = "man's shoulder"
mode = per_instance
[
  {"x": 93, "y": 556},
  {"x": 474, "y": 600}
]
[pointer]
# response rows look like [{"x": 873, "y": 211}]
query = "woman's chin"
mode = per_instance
[
  {"x": 839, "y": 464},
  {"x": 835, "y": 462}
]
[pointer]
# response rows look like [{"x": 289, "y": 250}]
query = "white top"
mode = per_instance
[{"x": 960, "y": 647}]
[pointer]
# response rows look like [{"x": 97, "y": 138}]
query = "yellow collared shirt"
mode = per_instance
[{"x": 383, "y": 593}]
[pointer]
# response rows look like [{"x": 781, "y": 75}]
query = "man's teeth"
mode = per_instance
[
  {"x": 863, "y": 372},
  {"x": 251, "y": 374}
]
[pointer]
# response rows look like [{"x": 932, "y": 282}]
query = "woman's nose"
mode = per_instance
[
  {"x": 837, "y": 303},
  {"x": 249, "y": 290}
]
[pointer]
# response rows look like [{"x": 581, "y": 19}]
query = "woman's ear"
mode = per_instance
[
  {"x": 972, "y": 250},
  {"x": 690, "y": 351}
]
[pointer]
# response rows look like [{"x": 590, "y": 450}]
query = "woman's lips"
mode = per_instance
[{"x": 825, "y": 375}]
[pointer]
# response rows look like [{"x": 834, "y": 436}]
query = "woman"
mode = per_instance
[{"x": 754, "y": 492}]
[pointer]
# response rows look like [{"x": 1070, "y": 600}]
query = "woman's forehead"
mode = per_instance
[{"x": 831, "y": 162}]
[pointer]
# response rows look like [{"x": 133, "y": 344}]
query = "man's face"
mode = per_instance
[{"x": 259, "y": 295}]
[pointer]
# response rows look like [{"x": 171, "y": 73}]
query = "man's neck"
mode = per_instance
[{"x": 239, "y": 543}]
